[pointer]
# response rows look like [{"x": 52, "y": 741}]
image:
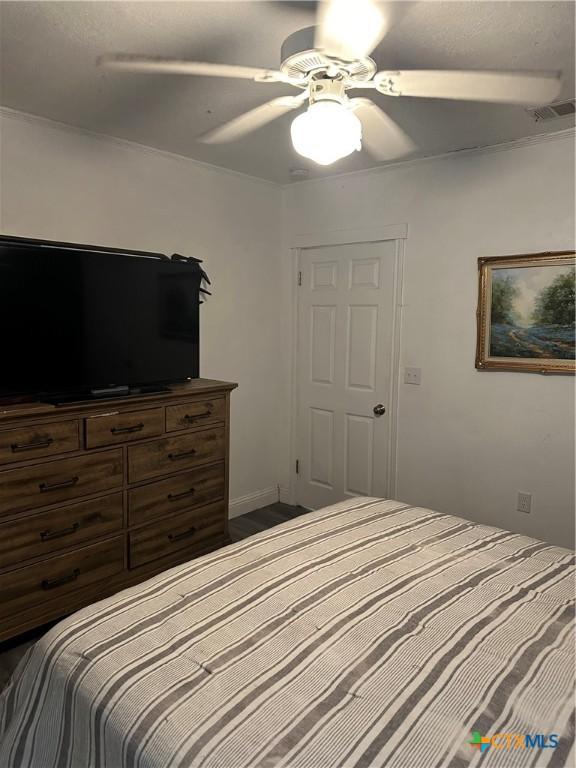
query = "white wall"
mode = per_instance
[
  {"x": 468, "y": 440},
  {"x": 61, "y": 184}
]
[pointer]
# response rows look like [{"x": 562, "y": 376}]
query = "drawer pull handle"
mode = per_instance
[
  {"x": 45, "y": 442},
  {"x": 48, "y": 535},
  {"x": 45, "y": 487},
  {"x": 176, "y": 496},
  {"x": 127, "y": 430},
  {"x": 182, "y": 535},
  {"x": 193, "y": 416},
  {"x": 53, "y": 583},
  {"x": 183, "y": 455}
]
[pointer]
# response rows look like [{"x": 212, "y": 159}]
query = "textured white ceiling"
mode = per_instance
[{"x": 48, "y": 50}]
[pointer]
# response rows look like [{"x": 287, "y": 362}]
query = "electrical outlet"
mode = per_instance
[
  {"x": 524, "y": 503},
  {"x": 412, "y": 375}
]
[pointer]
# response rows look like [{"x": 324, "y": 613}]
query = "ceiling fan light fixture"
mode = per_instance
[{"x": 326, "y": 132}]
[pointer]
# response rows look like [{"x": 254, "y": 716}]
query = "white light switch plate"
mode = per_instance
[{"x": 412, "y": 375}]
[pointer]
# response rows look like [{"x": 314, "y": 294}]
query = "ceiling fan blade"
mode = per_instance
[
  {"x": 254, "y": 119},
  {"x": 510, "y": 87},
  {"x": 381, "y": 136},
  {"x": 161, "y": 65},
  {"x": 351, "y": 29}
]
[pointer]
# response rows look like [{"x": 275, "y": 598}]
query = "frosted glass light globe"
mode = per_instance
[{"x": 326, "y": 132}]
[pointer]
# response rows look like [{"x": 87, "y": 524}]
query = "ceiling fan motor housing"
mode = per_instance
[
  {"x": 301, "y": 60},
  {"x": 327, "y": 90}
]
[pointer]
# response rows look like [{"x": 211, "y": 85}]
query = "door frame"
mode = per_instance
[{"x": 374, "y": 234}]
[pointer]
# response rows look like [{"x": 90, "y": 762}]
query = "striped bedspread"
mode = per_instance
[{"x": 369, "y": 633}]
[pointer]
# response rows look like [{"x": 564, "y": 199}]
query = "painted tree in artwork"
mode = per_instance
[
  {"x": 504, "y": 291},
  {"x": 555, "y": 304}
]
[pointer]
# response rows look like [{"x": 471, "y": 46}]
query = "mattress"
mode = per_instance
[{"x": 369, "y": 633}]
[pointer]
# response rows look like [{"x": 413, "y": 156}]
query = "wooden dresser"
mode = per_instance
[{"x": 99, "y": 495}]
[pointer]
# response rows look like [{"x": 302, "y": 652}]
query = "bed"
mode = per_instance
[{"x": 369, "y": 633}]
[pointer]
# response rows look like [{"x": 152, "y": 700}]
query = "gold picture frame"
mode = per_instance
[{"x": 525, "y": 313}]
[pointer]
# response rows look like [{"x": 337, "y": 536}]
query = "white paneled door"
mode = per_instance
[{"x": 346, "y": 311}]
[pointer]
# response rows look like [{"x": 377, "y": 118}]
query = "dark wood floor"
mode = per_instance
[
  {"x": 240, "y": 528},
  {"x": 261, "y": 519}
]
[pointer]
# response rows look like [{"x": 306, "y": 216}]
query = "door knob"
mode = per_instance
[{"x": 379, "y": 410}]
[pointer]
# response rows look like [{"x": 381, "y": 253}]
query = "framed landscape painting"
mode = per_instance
[{"x": 526, "y": 313}]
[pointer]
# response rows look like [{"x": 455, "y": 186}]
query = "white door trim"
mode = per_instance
[
  {"x": 397, "y": 232},
  {"x": 349, "y": 236}
]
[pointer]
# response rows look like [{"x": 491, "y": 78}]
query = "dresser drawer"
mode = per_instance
[
  {"x": 34, "y": 442},
  {"x": 47, "y": 532},
  {"x": 195, "y": 413},
  {"x": 112, "y": 428},
  {"x": 172, "y": 454},
  {"x": 56, "y": 577},
  {"x": 56, "y": 481},
  {"x": 187, "y": 530},
  {"x": 189, "y": 489}
]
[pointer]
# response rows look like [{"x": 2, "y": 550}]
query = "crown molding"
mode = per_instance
[
  {"x": 541, "y": 138},
  {"x": 27, "y": 117},
  {"x": 527, "y": 141}
]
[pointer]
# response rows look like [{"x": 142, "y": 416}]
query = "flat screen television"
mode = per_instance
[{"x": 79, "y": 320}]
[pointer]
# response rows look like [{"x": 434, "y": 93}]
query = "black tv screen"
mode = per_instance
[{"x": 80, "y": 318}]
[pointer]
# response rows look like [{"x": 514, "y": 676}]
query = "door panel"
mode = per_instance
[
  {"x": 359, "y": 446},
  {"x": 345, "y": 331},
  {"x": 323, "y": 328},
  {"x": 365, "y": 273},
  {"x": 324, "y": 275},
  {"x": 321, "y": 447},
  {"x": 361, "y": 352}
]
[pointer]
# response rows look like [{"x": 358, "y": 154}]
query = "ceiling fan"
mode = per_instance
[{"x": 327, "y": 61}]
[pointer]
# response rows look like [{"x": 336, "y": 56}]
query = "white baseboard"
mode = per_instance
[
  {"x": 251, "y": 501},
  {"x": 284, "y": 494}
]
